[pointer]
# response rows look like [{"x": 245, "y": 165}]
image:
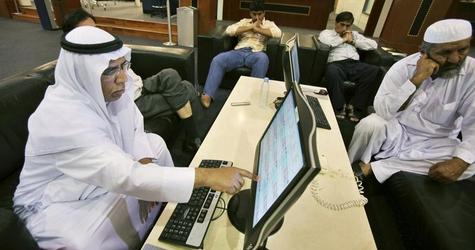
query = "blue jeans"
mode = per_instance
[{"x": 224, "y": 62}]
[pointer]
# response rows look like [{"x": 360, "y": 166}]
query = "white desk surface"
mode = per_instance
[{"x": 307, "y": 224}]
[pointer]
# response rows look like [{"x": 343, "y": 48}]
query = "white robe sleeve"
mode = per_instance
[
  {"x": 142, "y": 147},
  {"x": 274, "y": 30},
  {"x": 231, "y": 29},
  {"x": 395, "y": 89},
  {"x": 109, "y": 167},
  {"x": 465, "y": 150}
]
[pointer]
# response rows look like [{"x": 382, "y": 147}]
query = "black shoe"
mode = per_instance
[
  {"x": 192, "y": 146},
  {"x": 355, "y": 114},
  {"x": 341, "y": 113}
]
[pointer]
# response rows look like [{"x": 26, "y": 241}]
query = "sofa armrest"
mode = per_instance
[
  {"x": 224, "y": 43},
  {"x": 273, "y": 51},
  {"x": 209, "y": 45},
  {"x": 149, "y": 60},
  {"x": 306, "y": 53},
  {"x": 13, "y": 233},
  {"x": 319, "y": 62},
  {"x": 205, "y": 55},
  {"x": 378, "y": 57},
  {"x": 433, "y": 215}
]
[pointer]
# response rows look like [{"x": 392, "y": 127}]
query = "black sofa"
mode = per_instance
[
  {"x": 411, "y": 211},
  {"x": 377, "y": 57},
  {"x": 408, "y": 211},
  {"x": 21, "y": 94}
]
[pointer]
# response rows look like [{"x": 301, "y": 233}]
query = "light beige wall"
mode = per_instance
[
  {"x": 24, "y": 2},
  {"x": 355, "y": 7},
  {"x": 382, "y": 18}
]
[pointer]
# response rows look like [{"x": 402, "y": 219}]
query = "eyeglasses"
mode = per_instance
[{"x": 112, "y": 72}]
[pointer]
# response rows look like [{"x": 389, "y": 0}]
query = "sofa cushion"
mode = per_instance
[
  {"x": 7, "y": 189},
  {"x": 434, "y": 215},
  {"x": 19, "y": 97},
  {"x": 215, "y": 42},
  {"x": 149, "y": 60},
  {"x": 13, "y": 233},
  {"x": 231, "y": 77}
]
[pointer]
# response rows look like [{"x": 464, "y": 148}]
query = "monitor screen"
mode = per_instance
[
  {"x": 290, "y": 62},
  {"x": 280, "y": 157},
  {"x": 285, "y": 161},
  {"x": 294, "y": 63}
]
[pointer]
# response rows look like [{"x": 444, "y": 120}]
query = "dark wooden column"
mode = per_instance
[
  {"x": 407, "y": 21},
  {"x": 7, "y": 7},
  {"x": 206, "y": 14},
  {"x": 464, "y": 10},
  {"x": 373, "y": 17},
  {"x": 310, "y": 14},
  {"x": 63, "y": 8}
]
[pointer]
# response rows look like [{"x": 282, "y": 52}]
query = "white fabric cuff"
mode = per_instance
[
  {"x": 408, "y": 88},
  {"x": 181, "y": 180},
  {"x": 465, "y": 155}
]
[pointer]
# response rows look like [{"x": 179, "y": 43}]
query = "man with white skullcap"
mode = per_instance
[
  {"x": 91, "y": 174},
  {"x": 424, "y": 102}
]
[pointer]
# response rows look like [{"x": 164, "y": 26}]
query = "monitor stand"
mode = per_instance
[{"x": 238, "y": 213}]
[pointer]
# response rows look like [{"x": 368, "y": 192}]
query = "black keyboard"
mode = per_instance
[
  {"x": 189, "y": 221},
  {"x": 320, "y": 117}
]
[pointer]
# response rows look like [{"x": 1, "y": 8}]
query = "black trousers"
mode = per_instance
[{"x": 364, "y": 75}]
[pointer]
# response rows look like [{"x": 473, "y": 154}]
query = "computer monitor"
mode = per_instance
[
  {"x": 290, "y": 62},
  {"x": 286, "y": 161}
]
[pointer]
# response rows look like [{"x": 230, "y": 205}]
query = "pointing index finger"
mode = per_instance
[{"x": 248, "y": 174}]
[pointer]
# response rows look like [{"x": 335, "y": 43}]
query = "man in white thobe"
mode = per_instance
[
  {"x": 91, "y": 175},
  {"x": 424, "y": 102}
]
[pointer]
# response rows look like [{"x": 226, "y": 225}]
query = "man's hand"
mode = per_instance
[
  {"x": 256, "y": 25},
  {"x": 448, "y": 171},
  {"x": 348, "y": 37},
  {"x": 424, "y": 69},
  {"x": 229, "y": 180},
  {"x": 146, "y": 161}
]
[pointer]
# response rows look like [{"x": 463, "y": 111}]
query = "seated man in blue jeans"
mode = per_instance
[{"x": 253, "y": 34}]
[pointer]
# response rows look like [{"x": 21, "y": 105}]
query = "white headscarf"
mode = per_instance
[{"x": 73, "y": 113}]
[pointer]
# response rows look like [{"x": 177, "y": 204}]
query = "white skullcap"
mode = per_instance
[{"x": 448, "y": 30}]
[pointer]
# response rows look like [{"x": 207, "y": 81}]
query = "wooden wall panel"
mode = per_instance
[
  {"x": 206, "y": 13},
  {"x": 7, "y": 7},
  {"x": 373, "y": 17},
  {"x": 403, "y": 16},
  {"x": 62, "y": 8},
  {"x": 310, "y": 14},
  {"x": 4, "y": 11},
  {"x": 464, "y": 10}
]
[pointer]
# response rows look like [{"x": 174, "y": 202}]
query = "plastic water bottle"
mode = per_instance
[{"x": 264, "y": 92}]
